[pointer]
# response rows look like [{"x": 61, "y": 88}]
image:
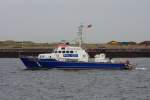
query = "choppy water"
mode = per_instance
[{"x": 19, "y": 84}]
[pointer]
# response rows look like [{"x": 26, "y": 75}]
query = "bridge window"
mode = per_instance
[
  {"x": 71, "y": 51},
  {"x": 42, "y": 56},
  {"x": 63, "y": 48}
]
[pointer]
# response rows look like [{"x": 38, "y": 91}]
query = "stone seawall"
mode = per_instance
[{"x": 112, "y": 53}]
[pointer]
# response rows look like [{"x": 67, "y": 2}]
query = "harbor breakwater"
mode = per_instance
[{"x": 111, "y": 53}]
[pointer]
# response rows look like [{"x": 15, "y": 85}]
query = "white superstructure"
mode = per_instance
[
  {"x": 71, "y": 53},
  {"x": 66, "y": 53}
]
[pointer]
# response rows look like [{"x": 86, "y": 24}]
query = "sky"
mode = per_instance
[{"x": 56, "y": 20}]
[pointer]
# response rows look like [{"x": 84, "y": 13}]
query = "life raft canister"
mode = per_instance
[{"x": 102, "y": 55}]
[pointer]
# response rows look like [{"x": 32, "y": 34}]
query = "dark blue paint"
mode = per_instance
[
  {"x": 70, "y": 55},
  {"x": 32, "y": 63}
]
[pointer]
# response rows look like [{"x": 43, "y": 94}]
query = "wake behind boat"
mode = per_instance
[{"x": 65, "y": 56}]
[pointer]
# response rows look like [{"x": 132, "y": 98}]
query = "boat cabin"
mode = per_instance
[{"x": 66, "y": 53}]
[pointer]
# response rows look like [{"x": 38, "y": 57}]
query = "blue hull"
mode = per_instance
[{"x": 34, "y": 63}]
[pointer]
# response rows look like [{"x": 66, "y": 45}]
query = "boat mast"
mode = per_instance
[{"x": 80, "y": 31}]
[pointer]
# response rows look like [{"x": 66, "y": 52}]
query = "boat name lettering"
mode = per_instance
[{"x": 70, "y": 55}]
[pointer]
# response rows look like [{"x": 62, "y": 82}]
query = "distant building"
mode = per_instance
[
  {"x": 124, "y": 43},
  {"x": 113, "y": 43},
  {"x": 128, "y": 43},
  {"x": 145, "y": 43}
]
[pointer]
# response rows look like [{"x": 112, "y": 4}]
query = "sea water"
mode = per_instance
[{"x": 16, "y": 83}]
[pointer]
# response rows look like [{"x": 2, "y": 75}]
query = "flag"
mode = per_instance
[{"x": 89, "y": 26}]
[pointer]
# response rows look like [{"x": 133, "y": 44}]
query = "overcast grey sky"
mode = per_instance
[{"x": 55, "y": 20}]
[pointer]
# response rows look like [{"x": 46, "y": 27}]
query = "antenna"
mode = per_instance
[{"x": 80, "y": 31}]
